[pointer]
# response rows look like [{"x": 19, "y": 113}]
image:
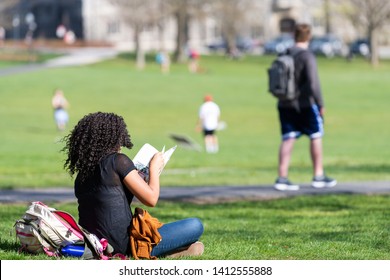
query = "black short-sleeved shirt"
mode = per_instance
[{"x": 104, "y": 201}]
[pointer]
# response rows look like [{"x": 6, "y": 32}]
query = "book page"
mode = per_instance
[
  {"x": 167, "y": 155},
  {"x": 145, "y": 154}
]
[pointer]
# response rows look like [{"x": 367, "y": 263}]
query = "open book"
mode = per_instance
[{"x": 145, "y": 154}]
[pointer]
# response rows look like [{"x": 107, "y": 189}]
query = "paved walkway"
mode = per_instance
[
  {"x": 72, "y": 57},
  {"x": 208, "y": 194}
]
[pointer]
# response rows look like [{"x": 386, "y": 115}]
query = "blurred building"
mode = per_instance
[
  {"x": 266, "y": 20},
  {"x": 283, "y": 15},
  {"x": 102, "y": 21},
  {"x": 44, "y": 16}
]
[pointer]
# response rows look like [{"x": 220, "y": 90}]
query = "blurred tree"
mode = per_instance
[
  {"x": 328, "y": 25},
  {"x": 5, "y": 15},
  {"x": 184, "y": 11},
  {"x": 232, "y": 16},
  {"x": 139, "y": 14},
  {"x": 373, "y": 14}
]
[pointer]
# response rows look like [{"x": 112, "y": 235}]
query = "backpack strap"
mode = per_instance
[{"x": 295, "y": 52}]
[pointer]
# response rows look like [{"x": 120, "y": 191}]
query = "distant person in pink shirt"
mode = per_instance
[{"x": 194, "y": 57}]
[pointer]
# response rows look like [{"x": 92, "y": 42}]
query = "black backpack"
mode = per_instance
[{"x": 281, "y": 79}]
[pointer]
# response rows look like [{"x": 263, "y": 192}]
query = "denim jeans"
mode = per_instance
[{"x": 178, "y": 234}]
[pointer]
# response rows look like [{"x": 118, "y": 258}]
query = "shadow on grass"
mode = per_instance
[{"x": 343, "y": 167}]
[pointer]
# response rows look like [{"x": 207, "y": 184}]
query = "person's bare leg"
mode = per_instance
[
  {"x": 316, "y": 156},
  {"x": 215, "y": 144},
  {"x": 320, "y": 180},
  {"x": 207, "y": 143},
  {"x": 285, "y": 151}
]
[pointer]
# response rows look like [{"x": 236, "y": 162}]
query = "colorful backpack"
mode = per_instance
[{"x": 56, "y": 233}]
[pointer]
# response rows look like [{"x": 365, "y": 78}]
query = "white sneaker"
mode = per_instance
[
  {"x": 323, "y": 182},
  {"x": 283, "y": 184}
]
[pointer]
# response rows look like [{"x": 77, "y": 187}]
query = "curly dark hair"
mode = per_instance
[{"x": 95, "y": 136}]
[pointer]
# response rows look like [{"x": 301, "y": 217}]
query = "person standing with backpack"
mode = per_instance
[{"x": 302, "y": 115}]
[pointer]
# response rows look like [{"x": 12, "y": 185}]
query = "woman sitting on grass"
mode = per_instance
[{"x": 107, "y": 182}]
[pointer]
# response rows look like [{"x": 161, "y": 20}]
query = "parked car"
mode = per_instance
[
  {"x": 328, "y": 45},
  {"x": 360, "y": 47},
  {"x": 279, "y": 44},
  {"x": 243, "y": 44}
]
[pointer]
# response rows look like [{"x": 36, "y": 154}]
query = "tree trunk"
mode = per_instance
[
  {"x": 182, "y": 32},
  {"x": 140, "y": 55},
  {"x": 140, "y": 59},
  {"x": 372, "y": 33},
  {"x": 328, "y": 29},
  {"x": 231, "y": 43}
]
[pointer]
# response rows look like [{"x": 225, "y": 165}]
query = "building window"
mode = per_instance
[
  {"x": 287, "y": 25},
  {"x": 113, "y": 27}
]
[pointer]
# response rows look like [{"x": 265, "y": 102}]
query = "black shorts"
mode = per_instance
[
  {"x": 307, "y": 121},
  {"x": 208, "y": 132}
]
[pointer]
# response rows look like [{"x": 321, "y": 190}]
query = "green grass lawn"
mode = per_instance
[
  {"x": 331, "y": 227},
  {"x": 154, "y": 105}
]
